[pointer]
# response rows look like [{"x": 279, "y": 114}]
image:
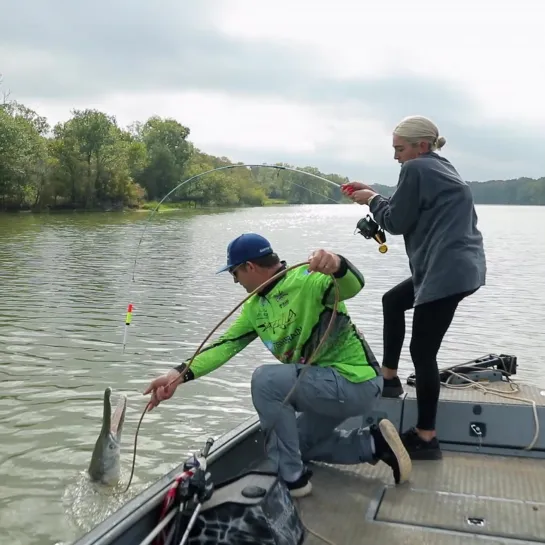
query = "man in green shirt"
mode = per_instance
[{"x": 290, "y": 316}]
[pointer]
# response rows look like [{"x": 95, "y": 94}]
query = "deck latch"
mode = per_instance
[{"x": 478, "y": 429}]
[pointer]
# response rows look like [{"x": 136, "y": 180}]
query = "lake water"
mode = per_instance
[{"x": 66, "y": 280}]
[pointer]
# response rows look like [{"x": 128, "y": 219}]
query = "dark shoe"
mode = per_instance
[
  {"x": 419, "y": 449},
  {"x": 302, "y": 486},
  {"x": 389, "y": 448},
  {"x": 392, "y": 387}
]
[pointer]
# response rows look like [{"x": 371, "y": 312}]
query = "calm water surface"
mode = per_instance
[{"x": 66, "y": 280}]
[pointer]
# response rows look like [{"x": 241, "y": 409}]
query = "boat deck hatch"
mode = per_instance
[{"x": 489, "y": 516}]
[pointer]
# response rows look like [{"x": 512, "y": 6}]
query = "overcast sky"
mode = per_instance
[{"x": 295, "y": 81}]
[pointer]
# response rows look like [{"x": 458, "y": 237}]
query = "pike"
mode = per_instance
[{"x": 105, "y": 466}]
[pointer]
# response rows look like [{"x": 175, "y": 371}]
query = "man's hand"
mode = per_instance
[
  {"x": 160, "y": 390},
  {"x": 349, "y": 188},
  {"x": 324, "y": 262},
  {"x": 362, "y": 196}
]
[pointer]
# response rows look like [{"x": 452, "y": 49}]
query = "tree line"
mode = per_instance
[
  {"x": 521, "y": 191},
  {"x": 89, "y": 162}
]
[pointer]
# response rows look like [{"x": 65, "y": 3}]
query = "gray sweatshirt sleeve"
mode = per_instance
[
  {"x": 398, "y": 214},
  {"x": 432, "y": 207}
]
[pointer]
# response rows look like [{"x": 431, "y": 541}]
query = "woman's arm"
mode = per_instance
[{"x": 399, "y": 214}]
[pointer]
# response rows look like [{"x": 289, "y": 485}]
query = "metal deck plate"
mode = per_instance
[
  {"x": 353, "y": 505},
  {"x": 475, "y": 515}
]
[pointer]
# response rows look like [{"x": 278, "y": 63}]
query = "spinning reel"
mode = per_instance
[{"x": 368, "y": 228}]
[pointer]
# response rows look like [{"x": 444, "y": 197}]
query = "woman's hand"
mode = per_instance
[
  {"x": 351, "y": 187},
  {"x": 363, "y": 196}
]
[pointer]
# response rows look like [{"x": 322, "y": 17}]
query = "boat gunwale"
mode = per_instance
[
  {"x": 147, "y": 500},
  {"x": 121, "y": 525}
]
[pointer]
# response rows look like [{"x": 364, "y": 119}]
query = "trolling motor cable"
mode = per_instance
[{"x": 290, "y": 393}]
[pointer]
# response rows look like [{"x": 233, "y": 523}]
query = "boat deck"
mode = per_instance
[
  {"x": 456, "y": 501},
  {"x": 476, "y": 494},
  {"x": 489, "y": 488}
]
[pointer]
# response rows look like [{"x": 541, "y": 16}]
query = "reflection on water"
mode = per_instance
[{"x": 66, "y": 281}]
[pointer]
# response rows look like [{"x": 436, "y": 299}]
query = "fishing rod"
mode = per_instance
[{"x": 366, "y": 227}]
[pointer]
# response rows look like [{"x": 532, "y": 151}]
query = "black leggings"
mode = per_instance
[{"x": 430, "y": 323}]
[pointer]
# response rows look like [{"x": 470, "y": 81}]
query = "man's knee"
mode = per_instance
[
  {"x": 269, "y": 381},
  {"x": 259, "y": 378}
]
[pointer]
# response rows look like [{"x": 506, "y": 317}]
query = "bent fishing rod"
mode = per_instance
[{"x": 365, "y": 226}]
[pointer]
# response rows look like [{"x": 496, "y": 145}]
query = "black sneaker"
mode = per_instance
[
  {"x": 302, "y": 486},
  {"x": 419, "y": 449},
  {"x": 389, "y": 448},
  {"x": 392, "y": 387}
]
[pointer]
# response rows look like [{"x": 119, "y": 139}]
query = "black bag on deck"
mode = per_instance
[
  {"x": 252, "y": 509},
  {"x": 491, "y": 367}
]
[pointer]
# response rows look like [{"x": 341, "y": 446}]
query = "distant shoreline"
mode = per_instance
[
  {"x": 146, "y": 207},
  {"x": 89, "y": 163},
  {"x": 176, "y": 207}
]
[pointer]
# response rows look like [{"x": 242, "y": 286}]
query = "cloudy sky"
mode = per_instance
[{"x": 301, "y": 82}]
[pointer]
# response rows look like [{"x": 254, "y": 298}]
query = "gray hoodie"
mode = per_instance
[{"x": 433, "y": 209}]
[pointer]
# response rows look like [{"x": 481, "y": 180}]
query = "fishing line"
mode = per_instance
[
  {"x": 279, "y": 168},
  {"x": 308, "y": 362},
  {"x": 130, "y": 306}
]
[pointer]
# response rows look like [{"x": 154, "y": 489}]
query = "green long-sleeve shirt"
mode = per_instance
[{"x": 290, "y": 317}]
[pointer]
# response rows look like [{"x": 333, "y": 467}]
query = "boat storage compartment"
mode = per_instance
[
  {"x": 494, "y": 517},
  {"x": 254, "y": 508},
  {"x": 499, "y": 424}
]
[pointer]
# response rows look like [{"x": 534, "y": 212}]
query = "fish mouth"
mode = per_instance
[{"x": 113, "y": 424}]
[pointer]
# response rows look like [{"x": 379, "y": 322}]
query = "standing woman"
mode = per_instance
[{"x": 432, "y": 207}]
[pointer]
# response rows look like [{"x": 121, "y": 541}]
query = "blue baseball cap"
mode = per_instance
[{"x": 245, "y": 248}]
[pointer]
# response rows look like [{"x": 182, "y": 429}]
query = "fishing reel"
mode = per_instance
[
  {"x": 368, "y": 228},
  {"x": 192, "y": 492}
]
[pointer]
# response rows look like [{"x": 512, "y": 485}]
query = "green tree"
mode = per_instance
[
  {"x": 89, "y": 162},
  {"x": 165, "y": 141},
  {"x": 23, "y": 160}
]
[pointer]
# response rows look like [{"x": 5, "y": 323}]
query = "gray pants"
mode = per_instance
[{"x": 325, "y": 399}]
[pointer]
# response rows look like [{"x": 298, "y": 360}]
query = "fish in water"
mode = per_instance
[{"x": 105, "y": 466}]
